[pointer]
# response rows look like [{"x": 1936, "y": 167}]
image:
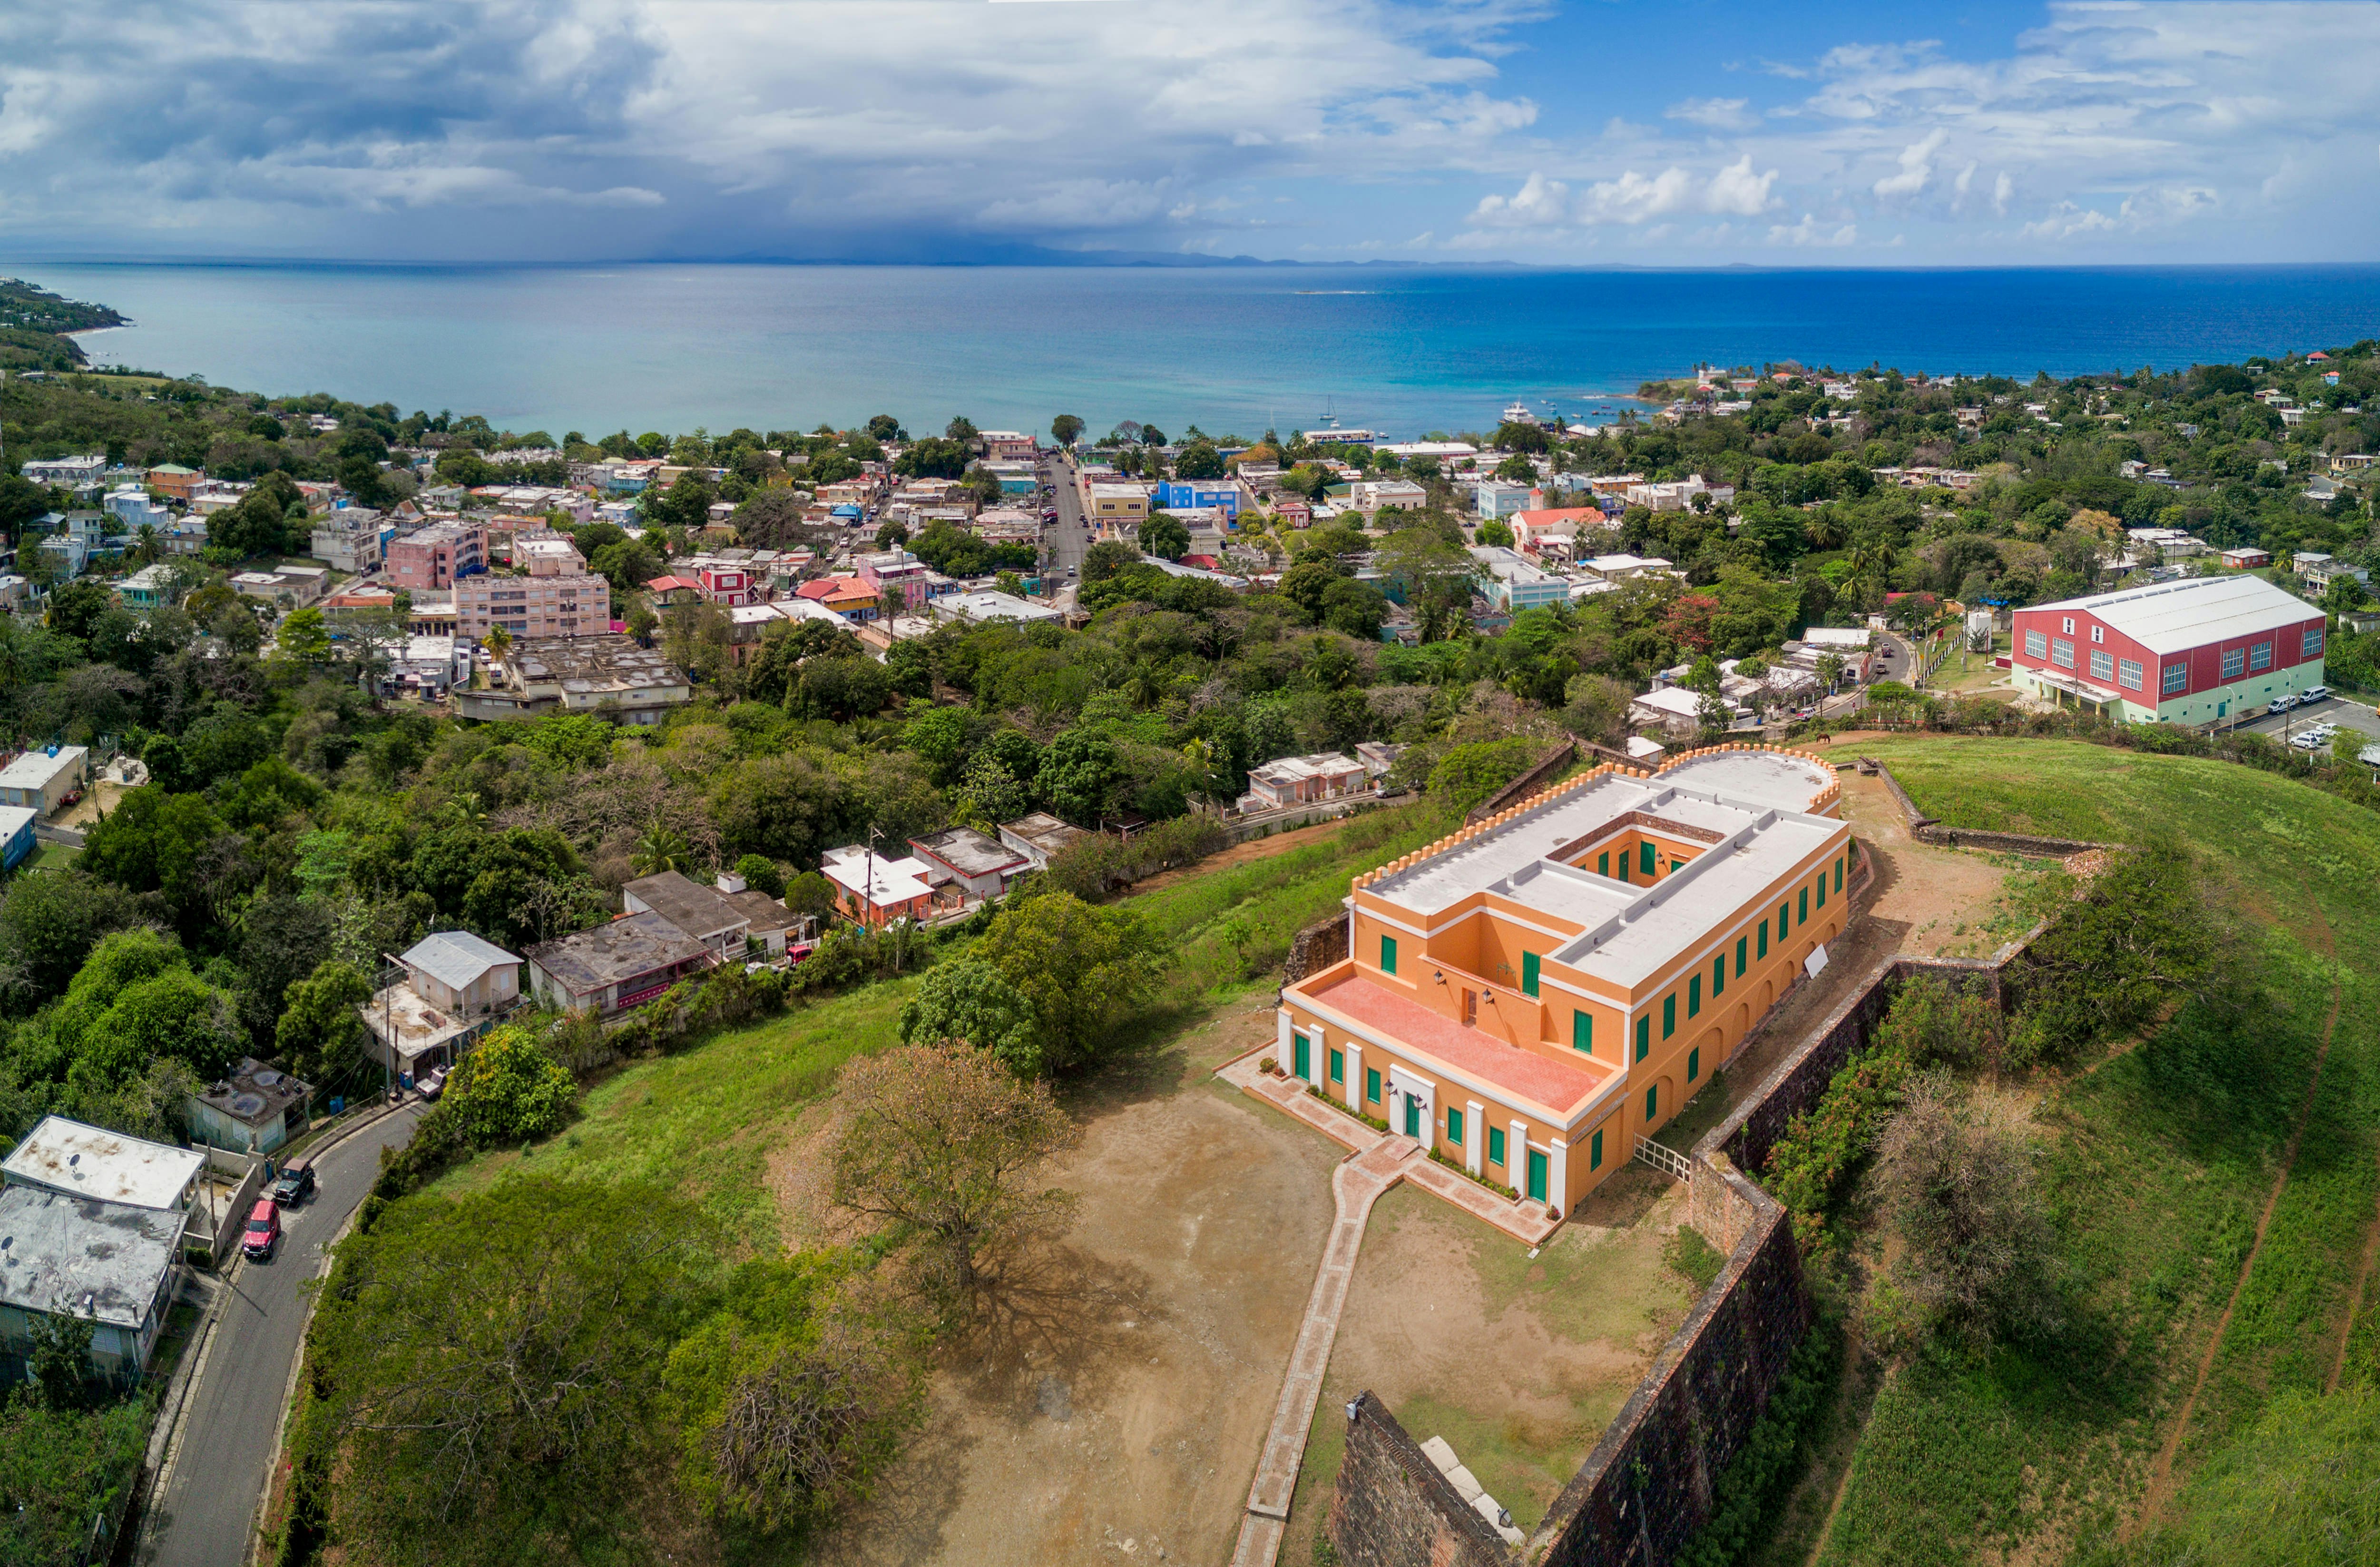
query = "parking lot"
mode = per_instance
[{"x": 2338, "y": 710}]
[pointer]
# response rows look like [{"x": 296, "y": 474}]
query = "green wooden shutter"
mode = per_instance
[
  {"x": 1644, "y": 858},
  {"x": 1643, "y": 1036},
  {"x": 1695, "y": 996},
  {"x": 1838, "y": 873},
  {"x": 1528, "y": 973},
  {"x": 1652, "y": 1103},
  {"x": 1802, "y": 914},
  {"x": 1668, "y": 1014},
  {"x": 1719, "y": 977},
  {"x": 1454, "y": 1127},
  {"x": 1739, "y": 953},
  {"x": 1694, "y": 1063},
  {"x": 1581, "y": 1031},
  {"x": 1595, "y": 1150},
  {"x": 1603, "y": 863},
  {"x": 1387, "y": 954},
  {"x": 1371, "y": 1085},
  {"x": 1338, "y": 1066},
  {"x": 1763, "y": 938},
  {"x": 1495, "y": 1145}
]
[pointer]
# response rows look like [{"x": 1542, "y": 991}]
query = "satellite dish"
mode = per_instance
[
  {"x": 264, "y": 1079},
  {"x": 247, "y": 1104}
]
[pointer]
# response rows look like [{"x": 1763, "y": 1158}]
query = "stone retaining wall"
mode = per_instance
[
  {"x": 1528, "y": 784},
  {"x": 1928, "y": 830},
  {"x": 1315, "y": 949},
  {"x": 1393, "y": 1506}
]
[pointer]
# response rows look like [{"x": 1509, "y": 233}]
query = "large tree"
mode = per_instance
[
  {"x": 1083, "y": 971},
  {"x": 947, "y": 1143}
]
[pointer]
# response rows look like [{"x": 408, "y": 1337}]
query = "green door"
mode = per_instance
[
  {"x": 1301, "y": 1057},
  {"x": 1413, "y": 1117},
  {"x": 1536, "y": 1175}
]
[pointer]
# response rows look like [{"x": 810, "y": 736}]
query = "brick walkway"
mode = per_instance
[
  {"x": 1356, "y": 1186},
  {"x": 1379, "y": 1162}
]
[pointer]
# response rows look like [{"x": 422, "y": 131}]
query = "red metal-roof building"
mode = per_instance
[{"x": 2204, "y": 651}]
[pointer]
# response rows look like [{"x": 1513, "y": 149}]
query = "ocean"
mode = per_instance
[{"x": 1401, "y": 350}]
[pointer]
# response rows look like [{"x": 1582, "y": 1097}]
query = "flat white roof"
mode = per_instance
[
  {"x": 2172, "y": 617},
  {"x": 35, "y": 769},
  {"x": 1631, "y": 930},
  {"x": 888, "y": 880},
  {"x": 90, "y": 1161}
]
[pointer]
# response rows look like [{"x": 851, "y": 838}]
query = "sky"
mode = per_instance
[{"x": 1562, "y": 132}]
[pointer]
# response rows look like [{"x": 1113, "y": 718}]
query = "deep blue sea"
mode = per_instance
[{"x": 670, "y": 347}]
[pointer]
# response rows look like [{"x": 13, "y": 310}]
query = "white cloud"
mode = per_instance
[
  {"x": 1916, "y": 166},
  {"x": 1631, "y": 198},
  {"x": 1719, "y": 114},
  {"x": 1737, "y": 190},
  {"x": 2066, "y": 220},
  {"x": 2002, "y": 188},
  {"x": 1810, "y": 232}
]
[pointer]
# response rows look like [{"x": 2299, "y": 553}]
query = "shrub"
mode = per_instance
[
  {"x": 1809, "y": 1164},
  {"x": 509, "y": 1090}
]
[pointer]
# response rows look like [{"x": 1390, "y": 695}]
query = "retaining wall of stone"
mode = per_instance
[{"x": 1393, "y": 1506}]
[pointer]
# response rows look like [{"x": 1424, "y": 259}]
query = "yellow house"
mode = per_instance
[{"x": 1534, "y": 993}]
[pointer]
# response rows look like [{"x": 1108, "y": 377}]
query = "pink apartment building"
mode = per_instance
[
  {"x": 575, "y": 605},
  {"x": 431, "y": 559}
]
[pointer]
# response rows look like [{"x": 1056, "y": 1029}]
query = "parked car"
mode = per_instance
[
  {"x": 433, "y": 1082},
  {"x": 2284, "y": 703},
  {"x": 2315, "y": 694},
  {"x": 263, "y": 1231},
  {"x": 294, "y": 1185}
]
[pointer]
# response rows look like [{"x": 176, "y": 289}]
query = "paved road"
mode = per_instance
[
  {"x": 215, "y": 1470},
  {"x": 1064, "y": 542}
]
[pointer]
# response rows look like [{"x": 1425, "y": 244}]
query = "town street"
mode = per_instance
[
  {"x": 215, "y": 1469},
  {"x": 1066, "y": 540}
]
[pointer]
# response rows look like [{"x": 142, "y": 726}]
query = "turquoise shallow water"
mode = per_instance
[{"x": 669, "y": 347}]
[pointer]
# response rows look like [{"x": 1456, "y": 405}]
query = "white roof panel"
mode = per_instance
[{"x": 2173, "y": 616}]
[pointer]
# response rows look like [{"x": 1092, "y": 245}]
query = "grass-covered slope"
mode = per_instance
[{"x": 2161, "y": 1165}]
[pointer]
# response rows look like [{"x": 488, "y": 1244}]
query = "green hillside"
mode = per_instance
[{"x": 2159, "y": 1166}]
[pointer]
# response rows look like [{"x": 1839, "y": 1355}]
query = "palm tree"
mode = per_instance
[
  {"x": 498, "y": 640},
  {"x": 658, "y": 850}
]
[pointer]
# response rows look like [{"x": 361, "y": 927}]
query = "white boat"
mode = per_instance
[{"x": 1518, "y": 414}]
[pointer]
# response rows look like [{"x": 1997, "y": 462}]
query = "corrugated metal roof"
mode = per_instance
[
  {"x": 2173, "y": 616},
  {"x": 455, "y": 957}
]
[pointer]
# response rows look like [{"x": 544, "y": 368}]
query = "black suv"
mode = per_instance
[{"x": 294, "y": 1186}]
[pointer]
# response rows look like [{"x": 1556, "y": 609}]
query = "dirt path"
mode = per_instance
[
  {"x": 2161, "y": 1477},
  {"x": 2354, "y": 1300}
]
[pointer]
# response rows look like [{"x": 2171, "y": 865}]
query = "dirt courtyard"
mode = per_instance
[{"x": 1111, "y": 1408}]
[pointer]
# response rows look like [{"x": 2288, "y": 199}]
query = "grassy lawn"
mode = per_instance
[{"x": 2157, "y": 1166}]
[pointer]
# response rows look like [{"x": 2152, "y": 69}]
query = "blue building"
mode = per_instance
[
  {"x": 16, "y": 835},
  {"x": 1189, "y": 494}
]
